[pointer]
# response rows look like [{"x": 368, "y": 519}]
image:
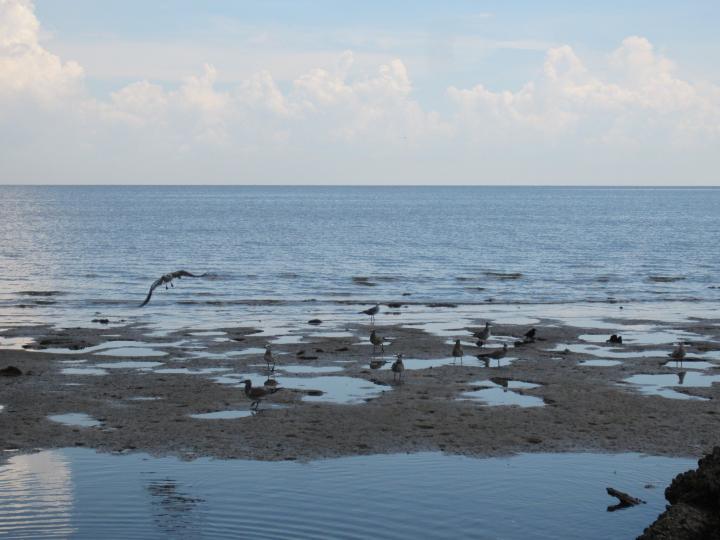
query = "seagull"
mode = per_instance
[
  {"x": 497, "y": 354},
  {"x": 269, "y": 358},
  {"x": 257, "y": 394},
  {"x": 166, "y": 280},
  {"x": 484, "y": 334},
  {"x": 679, "y": 353},
  {"x": 376, "y": 341},
  {"x": 372, "y": 312},
  {"x": 398, "y": 367},
  {"x": 457, "y": 351}
]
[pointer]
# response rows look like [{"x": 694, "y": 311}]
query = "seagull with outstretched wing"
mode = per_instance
[{"x": 166, "y": 280}]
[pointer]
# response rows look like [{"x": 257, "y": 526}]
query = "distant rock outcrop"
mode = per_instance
[{"x": 694, "y": 510}]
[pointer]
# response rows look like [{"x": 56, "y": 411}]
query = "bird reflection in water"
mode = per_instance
[{"x": 173, "y": 509}]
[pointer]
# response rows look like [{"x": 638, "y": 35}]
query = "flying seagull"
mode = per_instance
[{"x": 166, "y": 280}]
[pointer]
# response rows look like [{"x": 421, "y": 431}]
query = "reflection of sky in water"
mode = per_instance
[
  {"x": 688, "y": 364},
  {"x": 83, "y": 371},
  {"x": 129, "y": 365},
  {"x": 96, "y": 495},
  {"x": 309, "y": 369},
  {"x": 341, "y": 390},
  {"x": 119, "y": 348},
  {"x": 75, "y": 420},
  {"x": 496, "y": 394},
  {"x": 658, "y": 337},
  {"x": 662, "y": 384},
  {"x": 36, "y": 496},
  {"x": 600, "y": 363},
  {"x": 608, "y": 352}
]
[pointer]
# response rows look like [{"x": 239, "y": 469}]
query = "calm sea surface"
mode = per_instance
[{"x": 101, "y": 247}]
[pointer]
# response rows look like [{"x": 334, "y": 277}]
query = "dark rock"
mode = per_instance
[
  {"x": 314, "y": 392},
  {"x": 10, "y": 371},
  {"x": 314, "y": 321},
  {"x": 394, "y": 305},
  {"x": 101, "y": 321},
  {"x": 342, "y": 349},
  {"x": 694, "y": 511},
  {"x": 308, "y": 357}
]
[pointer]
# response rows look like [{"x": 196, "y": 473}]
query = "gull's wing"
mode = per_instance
[{"x": 154, "y": 286}]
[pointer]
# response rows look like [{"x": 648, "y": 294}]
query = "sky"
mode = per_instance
[{"x": 374, "y": 92}]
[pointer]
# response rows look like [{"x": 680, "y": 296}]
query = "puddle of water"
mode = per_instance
[
  {"x": 251, "y": 350},
  {"x": 223, "y": 415},
  {"x": 131, "y": 351},
  {"x": 310, "y": 369},
  {"x": 130, "y": 364},
  {"x": 287, "y": 340},
  {"x": 15, "y": 343},
  {"x": 83, "y": 371},
  {"x": 441, "y": 329},
  {"x": 75, "y": 420},
  {"x": 335, "y": 389},
  {"x": 500, "y": 395},
  {"x": 600, "y": 363},
  {"x": 690, "y": 364},
  {"x": 58, "y": 493},
  {"x": 608, "y": 352},
  {"x": 471, "y": 344},
  {"x": 707, "y": 355},
  {"x": 237, "y": 413},
  {"x": 634, "y": 337},
  {"x": 662, "y": 384},
  {"x": 331, "y": 335},
  {"x": 207, "y": 333},
  {"x": 123, "y": 346},
  {"x": 144, "y": 398},
  {"x": 72, "y": 362},
  {"x": 188, "y": 371},
  {"x": 421, "y": 363}
]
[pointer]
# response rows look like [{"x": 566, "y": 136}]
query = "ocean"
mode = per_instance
[{"x": 96, "y": 250}]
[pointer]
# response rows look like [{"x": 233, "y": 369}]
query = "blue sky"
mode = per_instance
[{"x": 468, "y": 83}]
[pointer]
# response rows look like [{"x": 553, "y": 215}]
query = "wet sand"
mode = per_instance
[{"x": 586, "y": 408}]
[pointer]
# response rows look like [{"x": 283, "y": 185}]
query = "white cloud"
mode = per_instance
[
  {"x": 344, "y": 121},
  {"x": 25, "y": 66}
]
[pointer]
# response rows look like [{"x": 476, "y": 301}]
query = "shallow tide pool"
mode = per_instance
[{"x": 82, "y": 494}]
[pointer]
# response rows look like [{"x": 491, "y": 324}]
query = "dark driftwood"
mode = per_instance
[{"x": 625, "y": 499}]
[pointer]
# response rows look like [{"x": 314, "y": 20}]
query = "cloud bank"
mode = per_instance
[{"x": 628, "y": 118}]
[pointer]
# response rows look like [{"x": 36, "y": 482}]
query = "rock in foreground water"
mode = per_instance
[{"x": 694, "y": 511}]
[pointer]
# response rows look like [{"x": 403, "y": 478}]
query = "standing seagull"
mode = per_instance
[
  {"x": 484, "y": 334},
  {"x": 398, "y": 367},
  {"x": 166, "y": 280},
  {"x": 457, "y": 351},
  {"x": 376, "y": 341},
  {"x": 269, "y": 358},
  {"x": 372, "y": 312},
  {"x": 257, "y": 394},
  {"x": 679, "y": 353},
  {"x": 497, "y": 354}
]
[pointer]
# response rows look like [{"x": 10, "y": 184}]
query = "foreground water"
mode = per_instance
[
  {"x": 65, "y": 493},
  {"x": 64, "y": 249}
]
